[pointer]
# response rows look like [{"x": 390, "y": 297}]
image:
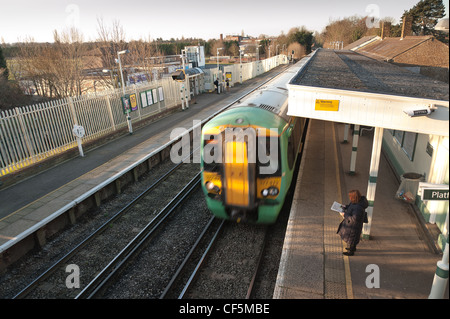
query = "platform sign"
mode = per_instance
[
  {"x": 327, "y": 105},
  {"x": 144, "y": 102},
  {"x": 439, "y": 192},
  {"x": 126, "y": 105},
  {"x": 133, "y": 102},
  {"x": 78, "y": 131},
  {"x": 434, "y": 194}
]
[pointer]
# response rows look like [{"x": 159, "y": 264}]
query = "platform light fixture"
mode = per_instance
[
  {"x": 218, "y": 58},
  {"x": 241, "y": 51},
  {"x": 421, "y": 112}
]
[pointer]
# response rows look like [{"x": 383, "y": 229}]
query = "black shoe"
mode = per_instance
[
  {"x": 348, "y": 253},
  {"x": 350, "y": 248}
]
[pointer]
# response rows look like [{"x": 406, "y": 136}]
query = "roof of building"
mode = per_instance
[
  {"x": 388, "y": 48},
  {"x": 350, "y": 70},
  {"x": 363, "y": 41},
  {"x": 348, "y": 87}
]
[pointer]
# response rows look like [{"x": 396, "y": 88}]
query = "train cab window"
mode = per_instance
[
  {"x": 269, "y": 156},
  {"x": 212, "y": 153}
]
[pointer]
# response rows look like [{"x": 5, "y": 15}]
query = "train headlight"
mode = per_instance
[
  {"x": 271, "y": 191},
  {"x": 212, "y": 188}
]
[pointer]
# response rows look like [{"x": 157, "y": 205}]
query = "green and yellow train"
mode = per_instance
[{"x": 249, "y": 152}]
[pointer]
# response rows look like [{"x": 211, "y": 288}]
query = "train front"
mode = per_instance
[{"x": 242, "y": 165}]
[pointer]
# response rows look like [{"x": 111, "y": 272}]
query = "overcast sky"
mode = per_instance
[{"x": 167, "y": 19}]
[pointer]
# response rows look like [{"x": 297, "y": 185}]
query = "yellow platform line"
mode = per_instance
[{"x": 348, "y": 276}]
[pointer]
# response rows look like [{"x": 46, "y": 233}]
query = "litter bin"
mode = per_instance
[{"x": 408, "y": 187}]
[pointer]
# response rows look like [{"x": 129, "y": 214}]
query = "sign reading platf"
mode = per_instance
[{"x": 434, "y": 191}]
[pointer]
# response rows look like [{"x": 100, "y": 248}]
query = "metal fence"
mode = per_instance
[
  {"x": 32, "y": 133},
  {"x": 253, "y": 69},
  {"x": 243, "y": 72}
]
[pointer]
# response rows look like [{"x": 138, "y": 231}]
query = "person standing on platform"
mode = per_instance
[
  {"x": 351, "y": 227},
  {"x": 216, "y": 83}
]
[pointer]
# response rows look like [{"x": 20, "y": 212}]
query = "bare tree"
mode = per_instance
[
  {"x": 347, "y": 30},
  {"x": 70, "y": 61},
  {"x": 111, "y": 40},
  {"x": 55, "y": 69}
]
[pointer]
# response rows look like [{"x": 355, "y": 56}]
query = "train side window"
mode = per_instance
[
  {"x": 293, "y": 144},
  {"x": 291, "y": 152}
]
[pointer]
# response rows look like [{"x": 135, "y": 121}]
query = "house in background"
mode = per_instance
[{"x": 421, "y": 54}]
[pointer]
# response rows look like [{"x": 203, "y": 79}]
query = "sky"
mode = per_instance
[{"x": 206, "y": 19}]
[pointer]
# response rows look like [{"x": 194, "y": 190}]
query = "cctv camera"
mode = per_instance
[{"x": 421, "y": 112}]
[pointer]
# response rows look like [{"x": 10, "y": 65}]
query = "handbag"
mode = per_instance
[{"x": 366, "y": 220}]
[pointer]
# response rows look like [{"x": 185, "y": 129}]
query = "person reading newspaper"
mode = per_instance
[{"x": 351, "y": 226}]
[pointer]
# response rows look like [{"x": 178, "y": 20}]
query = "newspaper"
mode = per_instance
[{"x": 337, "y": 207}]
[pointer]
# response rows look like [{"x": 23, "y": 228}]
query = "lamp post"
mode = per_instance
[
  {"x": 130, "y": 128},
  {"x": 240, "y": 63},
  {"x": 218, "y": 69},
  {"x": 257, "y": 61},
  {"x": 218, "y": 58},
  {"x": 185, "y": 83}
]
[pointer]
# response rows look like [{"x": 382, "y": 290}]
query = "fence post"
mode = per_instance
[
  {"x": 138, "y": 102},
  {"x": 25, "y": 134},
  {"x": 108, "y": 104},
  {"x": 181, "y": 85},
  {"x": 72, "y": 109}
]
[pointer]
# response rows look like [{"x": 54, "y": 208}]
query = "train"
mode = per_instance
[{"x": 249, "y": 152}]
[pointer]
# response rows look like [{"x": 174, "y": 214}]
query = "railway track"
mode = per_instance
[
  {"x": 219, "y": 277},
  {"x": 116, "y": 235},
  {"x": 108, "y": 274}
]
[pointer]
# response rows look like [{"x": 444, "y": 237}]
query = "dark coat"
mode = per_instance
[{"x": 350, "y": 228}]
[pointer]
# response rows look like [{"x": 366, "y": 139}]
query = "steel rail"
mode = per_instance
[
  {"x": 258, "y": 264},
  {"x": 187, "y": 258},
  {"x": 199, "y": 264},
  {"x": 120, "y": 260},
  {"x": 24, "y": 292}
]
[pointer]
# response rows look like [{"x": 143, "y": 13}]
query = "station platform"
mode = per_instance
[{"x": 400, "y": 249}]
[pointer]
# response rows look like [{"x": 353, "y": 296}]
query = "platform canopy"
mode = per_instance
[{"x": 347, "y": 87}]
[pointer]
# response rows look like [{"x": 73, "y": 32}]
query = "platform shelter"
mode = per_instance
[{"x": 348, "y": 87}]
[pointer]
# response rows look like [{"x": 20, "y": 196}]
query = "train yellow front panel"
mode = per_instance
[
  {"x": 236, "y": 174},
  {"x": 264, "y": 183}
]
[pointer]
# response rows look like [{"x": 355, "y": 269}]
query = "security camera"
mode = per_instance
[{"x": 421, "y": 112}]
